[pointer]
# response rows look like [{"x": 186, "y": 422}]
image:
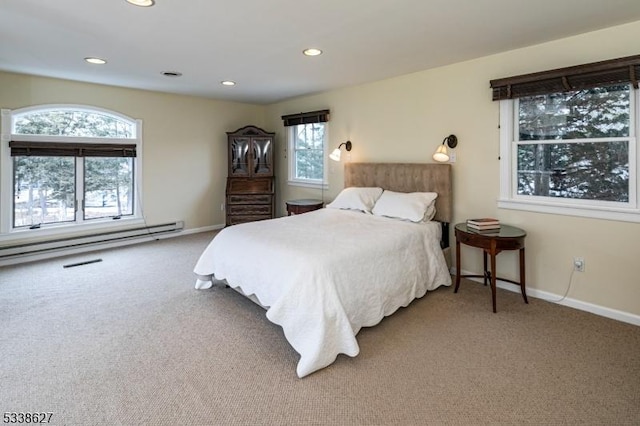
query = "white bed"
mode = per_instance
[{"x": 324, "y": 275}]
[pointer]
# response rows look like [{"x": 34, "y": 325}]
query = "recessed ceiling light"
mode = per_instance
[
  {"x": 171, "y": 73},
  {"x": 312, "y": 52},
  {"x": 95, "y": 61},
  {"x": 142, "y": 3},
  {"x": 228, "y": 83}
]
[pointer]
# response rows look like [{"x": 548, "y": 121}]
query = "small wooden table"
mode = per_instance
[
  {"x": 505, "y": 238},
  {"x": 303, "y": 206}
]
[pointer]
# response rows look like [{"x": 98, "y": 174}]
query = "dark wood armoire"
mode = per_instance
[{"x": 250, "y": 182}]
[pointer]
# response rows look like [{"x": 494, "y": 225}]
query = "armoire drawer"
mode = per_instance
[
  {"x": 249, "y": 199},
  {"x": 236, "y": 219},
  {"x": 249, "y": 209}
]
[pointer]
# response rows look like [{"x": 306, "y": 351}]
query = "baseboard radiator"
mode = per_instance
[{"x": 76, "y": 244}]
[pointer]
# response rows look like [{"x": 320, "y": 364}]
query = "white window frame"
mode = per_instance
[
  {"x": 308, "y": 183},
  {"x": 7, "y": 232},
  {"x": 510, "y": 199}
]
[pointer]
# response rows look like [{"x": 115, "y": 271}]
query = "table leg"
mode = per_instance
[
  {"x": 458, "y": 266},
  {"x": 487, "y": 274},
  {"x": 522, "y": 275},
  {"x": 493, "y": 275}
]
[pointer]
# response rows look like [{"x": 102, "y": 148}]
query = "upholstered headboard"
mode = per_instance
[{"x": 406, "y": 177}]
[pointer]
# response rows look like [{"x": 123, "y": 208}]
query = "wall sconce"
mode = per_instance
[
  {"x": 441, "y": 154},
  {"x": 335, "y": 155}
]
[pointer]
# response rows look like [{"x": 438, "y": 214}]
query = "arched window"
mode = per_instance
[
  {"x": 68, "y": 165},
  {"x": 72, "y": 122}
]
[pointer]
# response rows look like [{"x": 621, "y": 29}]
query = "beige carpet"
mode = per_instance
[{"x": 128, "y": 341}]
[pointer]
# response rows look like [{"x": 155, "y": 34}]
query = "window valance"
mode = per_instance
[
  {"x": 51, "y": 149},
  {"x": 306, "y": 118},
  {"x": 603, "y": 73}
]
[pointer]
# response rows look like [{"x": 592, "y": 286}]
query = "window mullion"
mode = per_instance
[
  {"x": 569, "y": 141},
  {"x": 79, "y": 190},
  {"x": 633, "y": 173},
  {"x": 634, "y": 160}
]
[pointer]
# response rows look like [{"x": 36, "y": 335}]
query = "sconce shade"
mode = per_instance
[
  {"x": 442, "y": 154},
  {"x": 336, "y": 154}
]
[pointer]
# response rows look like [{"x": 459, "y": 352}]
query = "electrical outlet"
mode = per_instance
[
  {"x": 222, "y": 207},
  {"x": 452, "y": 157},
  {"x": 578, "y": 264}
]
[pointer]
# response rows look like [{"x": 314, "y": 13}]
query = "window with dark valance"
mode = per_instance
[
  {"x": 70, "y": 165},
  {"x": 597, "y": 74},
  {"x": 306, "y": 118},
  {"x": 52, "y": 149},
  {"x": 567, "y": 140},
  {"x": 307, "y": 141}
]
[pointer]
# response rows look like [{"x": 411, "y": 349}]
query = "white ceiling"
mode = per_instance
[{"x": 259, "y": 43}]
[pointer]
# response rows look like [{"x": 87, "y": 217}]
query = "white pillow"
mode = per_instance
[
  {"x": 356, "y": 198},
  {"x": 413, "y": 206}
]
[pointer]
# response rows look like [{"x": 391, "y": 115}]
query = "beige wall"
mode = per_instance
[
  {"x": 400, "y": 119},
  {"x": 184, "y": 140},
  {"x": 405, "y": 118}
]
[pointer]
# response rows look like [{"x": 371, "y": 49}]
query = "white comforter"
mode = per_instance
[{"x": 326, "y": 274}]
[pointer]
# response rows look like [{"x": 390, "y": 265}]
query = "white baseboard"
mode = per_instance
[
  {"x": 202, "y": 229},
  {"x": 567, "y": 301},
  {"x": 103, "y": 246}
]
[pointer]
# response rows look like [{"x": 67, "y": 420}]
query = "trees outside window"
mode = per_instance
[
  {"x": 108, "y": 187},
  {"x": 573, "y": 150},
  {"x": 68, "y": 165},
  {"x": 569, "y": 144},
  {"x": 44, "y": 190},
  {"x": 307, "y": 144}
]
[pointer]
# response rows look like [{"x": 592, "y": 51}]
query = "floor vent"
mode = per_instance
[{"x": 82, "y": 243}]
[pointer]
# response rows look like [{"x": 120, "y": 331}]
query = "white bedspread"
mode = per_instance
[{"x": 326, "y": 274}]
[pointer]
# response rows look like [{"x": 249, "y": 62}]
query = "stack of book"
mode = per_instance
[{"x": 484, "y": 224}]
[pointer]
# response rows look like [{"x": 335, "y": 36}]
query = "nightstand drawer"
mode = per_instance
[{"x": 303, "y": 206}]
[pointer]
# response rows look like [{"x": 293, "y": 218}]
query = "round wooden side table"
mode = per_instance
[
  {"x": 506, "y": 238},
  {"x": 303, "y": 206}
]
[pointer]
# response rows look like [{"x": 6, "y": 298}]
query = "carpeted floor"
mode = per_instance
[{"x": 129, "y": 341}]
